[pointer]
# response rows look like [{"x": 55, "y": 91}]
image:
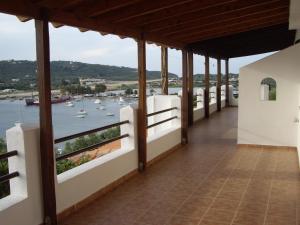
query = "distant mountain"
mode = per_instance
[{"x": 18, "y": 69}]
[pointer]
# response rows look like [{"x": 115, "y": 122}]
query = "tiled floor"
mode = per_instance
[{"x": 208, "y": 182}]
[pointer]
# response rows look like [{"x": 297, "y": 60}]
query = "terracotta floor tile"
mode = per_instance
[
  {"x": 191, "y": 210},
  {"x": 205, "y": 183},
  {"x": 275, "y": 220},
  {"x": 225, "y": 204},
  {"x": 245, "y": 218},
  {"x": 154, "y": 218},
  {"x": 253, "y": 207},
  {"x": 179, "y": 220},
  {"x": 208, "y": 222},
  {"x": 219, "y": 215}
]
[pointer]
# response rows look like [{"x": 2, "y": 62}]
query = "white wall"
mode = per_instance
[
  {"x": 81, "y": 182},
  {"x": 96, "y": 174},
  {"x": 24, "y": 205},
  {"x": 163, "y": 137},
  {"x": 270, "y": 122},
  {"x": 294, "y": 21}
]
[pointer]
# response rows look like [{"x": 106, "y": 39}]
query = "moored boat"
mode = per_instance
[{"x": 54, "y": 100}]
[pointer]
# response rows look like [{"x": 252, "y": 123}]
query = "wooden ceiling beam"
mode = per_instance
[
  {"x": 95, "y": 8},
  {"x": 27, "y": 9},
  {"x": 228, "y": 19},
  {"x": 58, "y": 4},
  {"x": 235, "y": 28},
  {"x": 210, "y": 13},
  {"x": 174, "y": 12},
  {"x": 140, "y": 9}
]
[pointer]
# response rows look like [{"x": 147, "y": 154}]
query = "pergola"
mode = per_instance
[{"x": 215, "y": 28}]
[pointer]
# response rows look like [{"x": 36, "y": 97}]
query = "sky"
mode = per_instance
[{"x": 17, "y": 41}]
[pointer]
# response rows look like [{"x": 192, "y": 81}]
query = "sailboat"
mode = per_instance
[
  {"x": 70, "y": 104},
  {"x": 109, "y": 114},
  {"x": 97, "y": 101},
  {"x": 82, "y": 113}
]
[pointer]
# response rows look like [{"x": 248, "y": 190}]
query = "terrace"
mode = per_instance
[
  {"x": 207, "y": 182},
  {"x": 177, "y": 164}
]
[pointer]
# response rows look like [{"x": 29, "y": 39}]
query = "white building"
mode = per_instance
[{"x": 91, "y": 81}]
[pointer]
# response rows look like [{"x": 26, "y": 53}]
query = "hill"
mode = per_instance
[{"x": 19, "y": 69}]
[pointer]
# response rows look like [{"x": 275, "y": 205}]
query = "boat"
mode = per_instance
[
  {"x": 54, "y": 100},
  {"x": 77, "y": 98},
  {"x": 88, "y": 95},
  {"x": 121, "y": 99},
  {"x": 109, "y": 114},
  {"x": 80, "y": 116},
  {"x": 82, "y": 112},
  {"x": 97, "y": 101},
  {"x": 102, "y": 108},
  {"x": 70, "y": 104}
]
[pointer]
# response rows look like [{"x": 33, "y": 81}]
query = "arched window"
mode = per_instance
[{"x": 268, "y": 89}]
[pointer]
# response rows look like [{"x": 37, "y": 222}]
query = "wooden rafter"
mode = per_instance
[
  {"x": 171, "y": 23},
  {"x": 234, "y": 28},
  {"x": 101, "y": 6},
  {"x": 140, "y": 9},
  {"x": 220, "y": 20},
  {"x": 211, "y": 12},
  {"x": 173, "y": 13}
]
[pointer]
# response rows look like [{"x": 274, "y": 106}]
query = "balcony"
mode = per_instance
[{"x": 210, "y": 181}]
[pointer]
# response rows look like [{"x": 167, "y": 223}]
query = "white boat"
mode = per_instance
[
  {"x": 121, "y": 99},
  {"x": 77, "y": 98},
  {"x": 82, "y": 112},
  {"x": 97, "y": 101},
  {"x": 81, "y": 116},
  {"x": 102, "y": 108},
  {"x": 70, "y": 104},
  {"x": 110, "y": 114}
]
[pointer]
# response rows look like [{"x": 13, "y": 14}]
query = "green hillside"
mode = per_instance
[{"x": 66, "y": 70}]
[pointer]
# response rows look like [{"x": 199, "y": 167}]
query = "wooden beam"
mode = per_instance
[
  {"x": 221, "y": 26},
  {"x": 28, "y": 9},
  {"x": 138, "y": 10},
  {"x": 227, "y": 81},
  {"x": 236, "y": 31},
  {"x": 207, "y": 86},
  {"x": 184, "y": 99},
  {"x": 228, "y": 19},
  {"x": 174, "y": 13},
  {"x": 58, "y": 4},
  {"x": 164, "y": 71},
  {"x": 100, "y": 7},
  {"x": 46, "y": 133},
  {"x": 219, "y": 83},
  {"x": 190, "y": 82},
  {"x": 204, "y": 12},
  {"x": 142, "y": 106},
  {"x": 234, "y": 28},
  {"x": 246, "y": 43}
]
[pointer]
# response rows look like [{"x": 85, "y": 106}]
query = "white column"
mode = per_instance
[
  {"x": 129, "y": 113},
  {"x": 26, "y": 195}
]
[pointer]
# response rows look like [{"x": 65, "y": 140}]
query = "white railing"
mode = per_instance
[{"x": 77, "y": 184}]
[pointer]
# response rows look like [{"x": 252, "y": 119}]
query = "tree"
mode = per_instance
[
  {"x": 4, "y": 187},
  {"x": 129, "y": 91},
  {"x": 64, "y": 82},
  {"x": 99, "y": 88},
  {"x": 83, "y": 142}
]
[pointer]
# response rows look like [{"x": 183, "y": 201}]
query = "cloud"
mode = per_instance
[{"x": 91, "y": 53}]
